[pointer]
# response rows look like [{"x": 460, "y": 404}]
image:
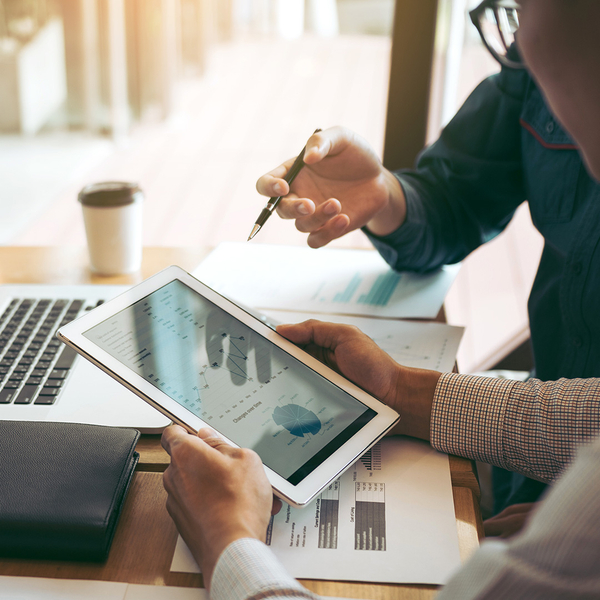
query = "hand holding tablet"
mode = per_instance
[{"x": 202, "y": 360}]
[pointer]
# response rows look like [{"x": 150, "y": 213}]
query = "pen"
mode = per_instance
[{"x": 269, "y": 209}]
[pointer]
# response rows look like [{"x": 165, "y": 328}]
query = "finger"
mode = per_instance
[
  {"x": 503, "y": 528},
  {"x": 326, "y": 335},
  {"x": 293, "y": 207},
  {"x": 214, "y": 440},
  {"x": 276, "y": 507},
  {"x": 320, "y": 217},
  {"x": 330, "y": 142},
  {"x": 493, "y": 527},
  {"x": 171, "y": 436},
  {"x": 515, "y": 509},
  {"x": 273, "y": 183},
  {"x": 332, "y": 230}
]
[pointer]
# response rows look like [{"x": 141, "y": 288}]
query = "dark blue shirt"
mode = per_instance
[{"x": 504, "y": 147}]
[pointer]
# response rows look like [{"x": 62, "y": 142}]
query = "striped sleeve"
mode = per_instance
[
  {"x": 248, "y": 570},
  {"x": 530, "y": 427}
]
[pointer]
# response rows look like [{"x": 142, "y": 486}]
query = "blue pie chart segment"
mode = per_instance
[{"x": 297, "y": 419}]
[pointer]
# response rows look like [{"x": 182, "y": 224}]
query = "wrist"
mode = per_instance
[
  {"x": 214, "y": 546},
  {"x": 393, "y": 214},
  {"x": 415, "y": 391}
]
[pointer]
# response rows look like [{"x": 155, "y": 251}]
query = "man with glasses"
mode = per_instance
[{"x": 504, "y": 146}]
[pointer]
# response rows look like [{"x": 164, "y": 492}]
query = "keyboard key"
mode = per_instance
[
  {"x": 54, "y": 383},
  {"x": 58, "y": 374},
  {"x": 76, "y": 305},
  {"x": 66, "y": 359},
  {"x": 6, "y": 395},
  {"x": 46, "y": 391},
  {"x": 38, "y": 372},
  {"x": 35, "y": 381},
  {"x": 45, "y": 400},
  {"x": 26, "y": 395}
]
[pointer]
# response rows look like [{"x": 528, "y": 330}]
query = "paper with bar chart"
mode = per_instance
[
  {"x": 389, "y": 518},
  {"x": 354, "y": 282}
]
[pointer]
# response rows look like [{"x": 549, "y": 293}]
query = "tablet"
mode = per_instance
[{"x": 202, "y": 360}]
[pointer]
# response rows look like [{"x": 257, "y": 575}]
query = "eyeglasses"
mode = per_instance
[{"x": 497, "y": 22}]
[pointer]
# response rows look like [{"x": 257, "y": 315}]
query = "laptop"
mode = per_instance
[{"x": 43, "y": 380}]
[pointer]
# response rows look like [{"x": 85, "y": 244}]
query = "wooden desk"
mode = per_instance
[{"x": 145, "y": 539}]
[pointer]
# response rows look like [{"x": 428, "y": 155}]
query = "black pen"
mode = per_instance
[{"x": 269, "y": 209}]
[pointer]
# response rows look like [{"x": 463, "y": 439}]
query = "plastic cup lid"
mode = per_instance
[{"x": 110, "y": 193}]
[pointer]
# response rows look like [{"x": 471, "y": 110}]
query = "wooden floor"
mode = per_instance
[{"x": 256, "y": 106}]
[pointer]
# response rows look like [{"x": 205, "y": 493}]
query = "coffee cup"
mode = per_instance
[{"x": 112, "y": 214}]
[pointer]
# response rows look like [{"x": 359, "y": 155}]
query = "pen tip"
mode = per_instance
[{"x": 254, "y": 231}]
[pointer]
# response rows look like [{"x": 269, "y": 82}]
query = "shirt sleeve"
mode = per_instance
[
  {"x": 556, "y": 556},
  {"x": 467, "y": 185},
  {"x": 530, "y": 427},
  {"x": 248, "y": 570}
]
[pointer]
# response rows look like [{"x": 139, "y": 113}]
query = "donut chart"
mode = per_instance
[{"x": 298, "y": 420}]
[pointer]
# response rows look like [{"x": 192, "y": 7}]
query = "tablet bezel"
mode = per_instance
[{"x": 300, "y": 494}]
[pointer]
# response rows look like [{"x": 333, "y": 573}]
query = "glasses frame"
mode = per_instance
[{"x": 476, "y": 14}]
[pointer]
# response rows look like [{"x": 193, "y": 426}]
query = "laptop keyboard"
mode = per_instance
[{"x": 33, "y": 363}]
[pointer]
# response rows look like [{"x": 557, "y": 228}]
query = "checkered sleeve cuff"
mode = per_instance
[
  {"x": 248, "y": 570},
  {"x": 467, "y": 416},
  {"x": 533, "y": 428}
]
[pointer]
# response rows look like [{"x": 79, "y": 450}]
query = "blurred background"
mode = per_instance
[{"x": 195, "y": 99}]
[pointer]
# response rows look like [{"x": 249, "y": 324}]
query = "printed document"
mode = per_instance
[
  {"x": 389, "y": 518},
  {"x": 328, "y": 280}
]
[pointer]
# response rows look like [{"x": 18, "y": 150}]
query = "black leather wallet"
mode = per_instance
[{"x": 62, "y": 487}]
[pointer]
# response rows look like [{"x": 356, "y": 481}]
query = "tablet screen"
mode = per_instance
[{"x": 233, "y": 378}]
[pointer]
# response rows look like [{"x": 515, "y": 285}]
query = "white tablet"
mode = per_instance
[{"x": 202, "y": 360}]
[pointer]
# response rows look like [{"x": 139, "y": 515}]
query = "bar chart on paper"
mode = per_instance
[
  {"x": 379, "y": 294},
  {"x": 330, "y": 281},
  {"x": 369, "y": 519},
  {"x": 329, "y": 510}
]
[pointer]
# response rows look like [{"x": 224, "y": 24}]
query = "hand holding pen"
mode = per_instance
[
  {"x": 269, "y": 209},
  {"x": 343, "y": 187}
]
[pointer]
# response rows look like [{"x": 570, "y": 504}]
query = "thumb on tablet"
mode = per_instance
[{"x": 213, "y": 439}]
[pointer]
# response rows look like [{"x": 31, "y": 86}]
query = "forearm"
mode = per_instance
[
  {"x": 532, "y": 428},
  {"x": 466, "y": 186}
]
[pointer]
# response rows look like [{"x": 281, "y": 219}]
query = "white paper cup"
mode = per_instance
[{"x": 112, "y": 214}]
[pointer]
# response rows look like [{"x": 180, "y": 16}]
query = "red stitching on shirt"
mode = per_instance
[{"x": 543, "y": 142}]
